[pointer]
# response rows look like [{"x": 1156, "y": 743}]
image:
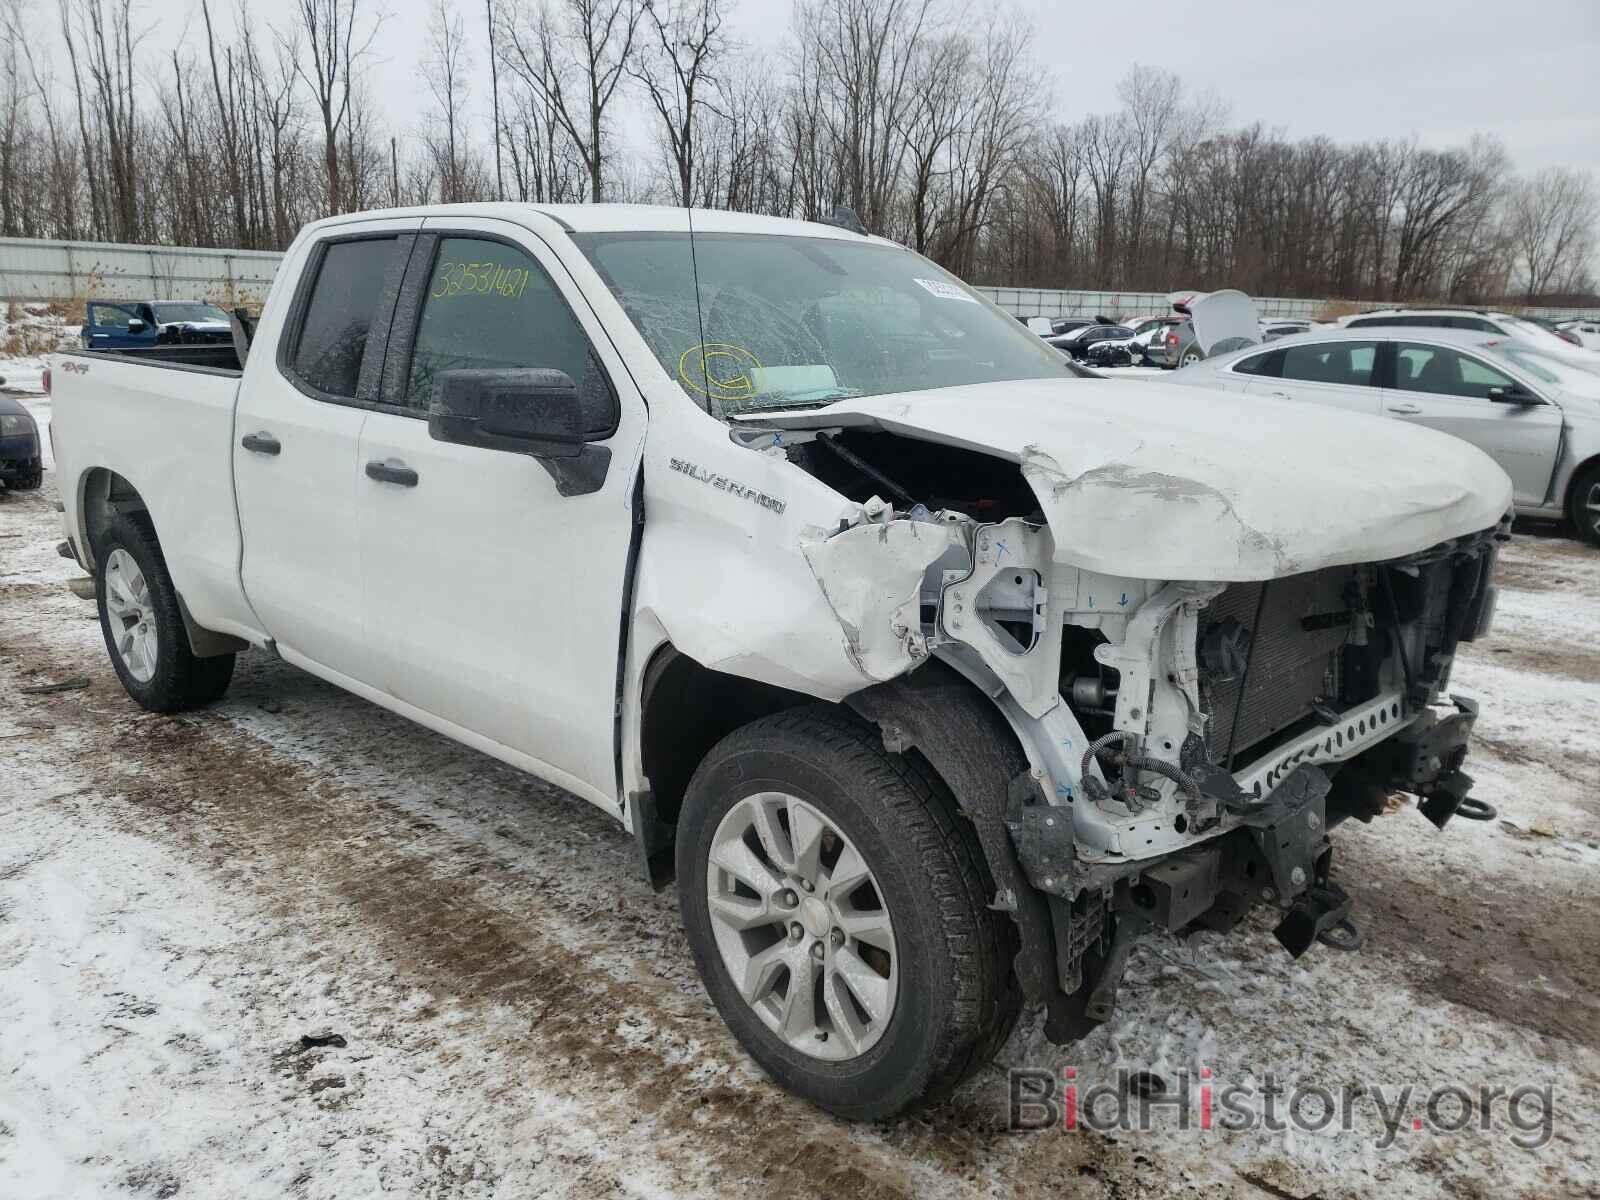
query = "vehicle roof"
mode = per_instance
[
  {"x": 1423, "y": 310},
  {"x": 11, "y": 406},
  {"x": 614, "y": 218},
  {"x": 1399, "y": 333}
]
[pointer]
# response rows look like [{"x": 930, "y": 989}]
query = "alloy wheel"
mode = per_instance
[
  {"x": 801, "y": 926},
  {"x": 131, "y": 615}
]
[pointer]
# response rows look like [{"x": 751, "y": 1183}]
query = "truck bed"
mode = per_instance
[{"x": 161, "y": 419}]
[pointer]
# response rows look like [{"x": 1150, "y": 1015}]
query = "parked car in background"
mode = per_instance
[
  {"x": 129, "y": 324},
  {"x": 1271, "y": 331},
  {"x": 1480, "y": 320},
  {"x": 1112, "y": 352},
  {"x": 1226, "y": 320},
  {"x": 1535, "y": 412},
  {"x": 1148, "y": 334},
  {"x": 21, "y": 452},
  {"x": 1059, "y": 325},
  {"x": 1076, "y": 344},
  {"x": 1585, "y": 329}
]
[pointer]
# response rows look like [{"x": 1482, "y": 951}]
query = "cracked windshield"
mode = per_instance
[{"x": 790, "y": 322}]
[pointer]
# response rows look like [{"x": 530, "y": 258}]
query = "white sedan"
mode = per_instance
[{"x": 1537, "y": 413}]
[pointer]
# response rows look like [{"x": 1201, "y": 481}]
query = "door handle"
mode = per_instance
[
  {"x": 1281, "y": 395},
  {"x": 392, "y": 471},
  {"x": 261, "y": 443},
  {"x": 1404, "y": 409}
]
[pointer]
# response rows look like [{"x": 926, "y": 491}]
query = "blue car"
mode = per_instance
[{"x": 130, "y": 324}]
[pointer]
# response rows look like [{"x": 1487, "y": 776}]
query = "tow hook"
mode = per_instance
[
  {"x": 1448, "y": 798},
  {"x": 1321, "y": 910}
]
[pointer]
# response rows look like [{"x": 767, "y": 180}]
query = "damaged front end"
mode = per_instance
[{"x": 1188, "y": 744}]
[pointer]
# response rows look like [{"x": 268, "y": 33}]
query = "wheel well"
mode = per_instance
[
  {"x": 105, "y": 493},
  {"x": 687, "y": 709},
  {"x": 1574, "y": 479}
]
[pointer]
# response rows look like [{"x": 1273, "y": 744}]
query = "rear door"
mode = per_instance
[
  {"x": 1340, "y": 374},
  {"x": 1448, "y": 389},
  {"x": 494, "y": 580},
  {"x": 296, "y": 470}
]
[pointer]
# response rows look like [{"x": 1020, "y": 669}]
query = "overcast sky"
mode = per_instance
[{"x": 1351, "y": 69}]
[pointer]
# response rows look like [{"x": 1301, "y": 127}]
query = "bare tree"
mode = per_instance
[
  {"x": 335, "y": 46},
  {"x": 572, "y": 55},
  {"x": 446, "y": 68},
  {"x": 677, "y": 69},
  {"x": 1551, "y": 224}
]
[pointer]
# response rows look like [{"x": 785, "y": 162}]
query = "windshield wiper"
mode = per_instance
[{"x": 815, "y": 399}]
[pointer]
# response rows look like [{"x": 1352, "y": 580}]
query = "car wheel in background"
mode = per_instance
[
  {"x": 1583, "y": 504},
  {"x": 143, "y": 625},
  {"x": 1190, "y": 357},
  {"x": 30, "y": 478},
  {"x": 837, "y": 907}
]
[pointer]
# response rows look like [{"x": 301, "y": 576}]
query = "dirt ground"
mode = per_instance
[{"x": 295, "y": 946}]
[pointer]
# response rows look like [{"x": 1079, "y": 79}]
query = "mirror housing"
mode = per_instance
[
  {"x": 527, "y": 410},
  {"x": 137, "y": 325},
  {"x": 1516, "y": 394}
]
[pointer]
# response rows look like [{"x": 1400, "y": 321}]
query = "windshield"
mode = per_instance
[
  {"x": 798, "y": 322},
  {"x": 166, "y": 313},
  {"x": 1569, "y": 374}
]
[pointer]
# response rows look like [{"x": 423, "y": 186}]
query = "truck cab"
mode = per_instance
[{"x": 131, "y": 324}]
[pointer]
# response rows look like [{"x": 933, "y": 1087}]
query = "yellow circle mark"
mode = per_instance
[{"x": 724, "y": 370}]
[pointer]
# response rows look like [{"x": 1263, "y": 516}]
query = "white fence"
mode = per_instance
[
  {"x": 31, "y": 269},
  {"x": 1043, "y": 302}
]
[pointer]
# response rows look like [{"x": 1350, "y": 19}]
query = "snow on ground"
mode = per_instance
[{"x": 296, "y": 946}]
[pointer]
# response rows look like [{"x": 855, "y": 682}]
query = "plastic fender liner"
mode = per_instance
[{"x": 968, "y": 742}]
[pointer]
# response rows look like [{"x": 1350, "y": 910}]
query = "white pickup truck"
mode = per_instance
[{"x": 934, "y": 668}]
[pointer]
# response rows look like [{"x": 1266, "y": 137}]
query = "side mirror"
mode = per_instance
[
  {"x": 1515, "y": 394},
  {"x": 527, "y": 410},
  {"x": 137, "y": 326}
]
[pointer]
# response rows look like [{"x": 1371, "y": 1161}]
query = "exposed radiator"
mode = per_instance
[{"x": 1293, "y": 656}]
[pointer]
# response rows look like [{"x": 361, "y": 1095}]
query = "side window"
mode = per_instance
[
  {"x": 1269, "y": 364},
  {"x": 1347, "y": 363},
  {"x": 1443, "y": 372},
  {"x": 338, "y": 314},
  {"x": 109, "y": 316},
  {"x": 490, "y": 305}
]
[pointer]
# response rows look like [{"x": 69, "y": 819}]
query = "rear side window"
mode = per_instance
[
  {"x": 490, "y": 305},
  {"x": 339, "y": 312},
  {"x": 1346, "y": 363},
  {"x": 1268, "y": 364}
]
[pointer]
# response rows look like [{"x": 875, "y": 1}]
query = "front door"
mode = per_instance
[
  {"x": 295, "y": 448},
  {"x": 494, "y": 580},
  {"x": 1448, "y": 390}
]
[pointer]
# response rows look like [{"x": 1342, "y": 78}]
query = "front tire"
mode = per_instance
[
  {"x": 143, "y": 625},
  {"x": 1584, "y": 505},
  {"x": 837, "y": 908}
]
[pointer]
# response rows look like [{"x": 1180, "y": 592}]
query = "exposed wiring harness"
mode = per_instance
[{"x": 1131, "y": 792}]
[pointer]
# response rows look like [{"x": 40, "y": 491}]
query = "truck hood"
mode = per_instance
[{"x": 1155, "y": 481}]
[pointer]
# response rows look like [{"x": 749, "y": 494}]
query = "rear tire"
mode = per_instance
[
  {"x": 951, "y": 996},
  {"x": 30, "y": 478},
  {"x": 1190, "y": 357},
  {"x": 1583, "y": 504},
  {"x": 143, "y": 625}
]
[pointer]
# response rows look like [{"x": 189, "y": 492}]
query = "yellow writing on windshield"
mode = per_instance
[{"x": 720, "y": 370}]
